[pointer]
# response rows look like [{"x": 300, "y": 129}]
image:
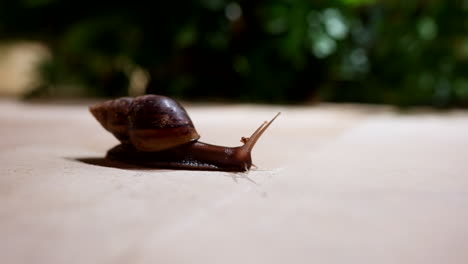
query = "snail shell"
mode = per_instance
[{"x": 149, "y": 122}]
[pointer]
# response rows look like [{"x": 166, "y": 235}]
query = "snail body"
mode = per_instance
[{"x": 156, "y": 131}]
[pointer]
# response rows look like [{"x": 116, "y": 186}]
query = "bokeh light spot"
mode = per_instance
[
  {"x": 335, "y": 24},
  {"x": 323, "y": 46},
  {"x": 233, "y": 11},
  {"x": 427, "y": 28}
]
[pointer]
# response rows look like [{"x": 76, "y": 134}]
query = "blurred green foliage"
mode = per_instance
[{"x": 392, "y": 52}]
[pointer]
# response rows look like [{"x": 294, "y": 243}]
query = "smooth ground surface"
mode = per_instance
[{"x": 334, "y": 184}]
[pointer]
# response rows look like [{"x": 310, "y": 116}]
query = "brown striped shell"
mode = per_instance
[{"x": 149, "y": 122}]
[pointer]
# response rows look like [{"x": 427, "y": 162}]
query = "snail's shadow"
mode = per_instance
[
  {"x": 110, "y": 163},
  {"x": 104, "y": 162}
]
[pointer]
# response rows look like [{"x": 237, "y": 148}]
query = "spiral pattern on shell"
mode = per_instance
[{"x": 149, "y": 122}]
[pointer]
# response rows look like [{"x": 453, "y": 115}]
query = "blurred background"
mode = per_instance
[{"x": 404, "y": 53}]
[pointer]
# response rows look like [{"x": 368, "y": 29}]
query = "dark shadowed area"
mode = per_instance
[{"x": 282, "y": 51}]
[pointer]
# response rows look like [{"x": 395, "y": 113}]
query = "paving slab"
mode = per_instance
[{"x": 334, "y": 184}]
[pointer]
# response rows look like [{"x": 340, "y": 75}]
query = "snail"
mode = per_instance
[{"x": 156, "y": 131}]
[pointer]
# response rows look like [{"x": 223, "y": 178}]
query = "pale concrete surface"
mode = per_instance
[{"x": 334, "y": 184}]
